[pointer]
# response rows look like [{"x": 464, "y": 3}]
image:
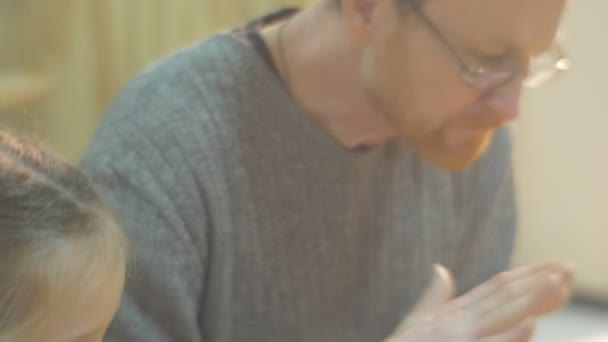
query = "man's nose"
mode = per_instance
[{"x": 505, "y": 102}]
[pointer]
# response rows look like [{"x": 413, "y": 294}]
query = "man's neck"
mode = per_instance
[{"x": 318, "y": 64}]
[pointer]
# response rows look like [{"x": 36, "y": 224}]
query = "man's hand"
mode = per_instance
[{"x": 502, "y": 309}]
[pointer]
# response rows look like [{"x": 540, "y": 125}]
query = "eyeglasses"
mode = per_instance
[{"x": 542, "y": 68}]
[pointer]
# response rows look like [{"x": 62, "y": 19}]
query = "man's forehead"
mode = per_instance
[{"x": 496, "y": 24}]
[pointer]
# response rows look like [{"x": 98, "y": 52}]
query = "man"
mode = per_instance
[{"x": 296, "y": 179}]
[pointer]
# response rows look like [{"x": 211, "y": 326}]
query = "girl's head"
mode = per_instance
[{"x": 62, "y": 256}]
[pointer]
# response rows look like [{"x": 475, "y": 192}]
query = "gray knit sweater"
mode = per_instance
[{"x": 249, "y": 223}]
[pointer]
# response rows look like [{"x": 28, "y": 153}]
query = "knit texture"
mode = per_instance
[{"x": 248, "y": 222}]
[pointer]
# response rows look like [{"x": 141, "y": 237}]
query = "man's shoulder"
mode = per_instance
[
  {"x": 190, "y": 85},
  {"x": 186, "y": 74},
  {"x": 192, "y": 99}
]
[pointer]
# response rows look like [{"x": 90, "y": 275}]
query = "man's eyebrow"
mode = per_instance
[{"x": 501, "y": 52}]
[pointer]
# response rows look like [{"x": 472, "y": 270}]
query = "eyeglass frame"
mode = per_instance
[{"x": 485, "y": 79}]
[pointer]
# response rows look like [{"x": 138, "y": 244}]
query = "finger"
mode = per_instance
[
  {"x": 488, "y": 288},
  {"x": 545, "y": 289},
  {"x": 563, "y": 295},
  {"x": 514, "y": 296},
  {"x": 518, "y": 301},
  {"x": 439, "y": 291},
  {"x": 521, "y": 333}
]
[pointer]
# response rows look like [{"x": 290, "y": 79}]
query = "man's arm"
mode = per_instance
[{"x": 149, "y": 193}]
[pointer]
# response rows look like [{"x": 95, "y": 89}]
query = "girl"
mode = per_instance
[{"x": 62, "y": 256}]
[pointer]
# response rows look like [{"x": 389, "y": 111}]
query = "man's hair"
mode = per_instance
[{"x": 56, "y": 235}]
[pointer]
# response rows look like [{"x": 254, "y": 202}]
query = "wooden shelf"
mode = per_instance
[{"x": 18, "y": 89}]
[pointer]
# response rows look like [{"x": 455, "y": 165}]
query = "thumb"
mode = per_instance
[{"x": 438, "y": 292}]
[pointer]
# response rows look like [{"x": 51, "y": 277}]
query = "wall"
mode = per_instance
[
  {"x": 88, "y": 49},
  {"x": 561, "y": 157}
]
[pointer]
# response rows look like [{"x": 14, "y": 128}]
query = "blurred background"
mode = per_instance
[{"x": 63, "y": 60}]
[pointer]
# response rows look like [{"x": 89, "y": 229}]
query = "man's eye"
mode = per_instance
[{"x": 493, "y": 60}]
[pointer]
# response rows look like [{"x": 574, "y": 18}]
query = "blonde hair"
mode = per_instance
[{"x": 56, "y": 235}]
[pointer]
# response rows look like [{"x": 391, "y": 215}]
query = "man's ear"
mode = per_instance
[{"x": 357, "y": 16}]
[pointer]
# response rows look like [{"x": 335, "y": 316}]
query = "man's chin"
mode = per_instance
[
  {"x": 455, "y": 159},
  {"x": 453, "y": 163}
]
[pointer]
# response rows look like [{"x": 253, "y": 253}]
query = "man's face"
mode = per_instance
[{"x": 411, "y": 76}]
